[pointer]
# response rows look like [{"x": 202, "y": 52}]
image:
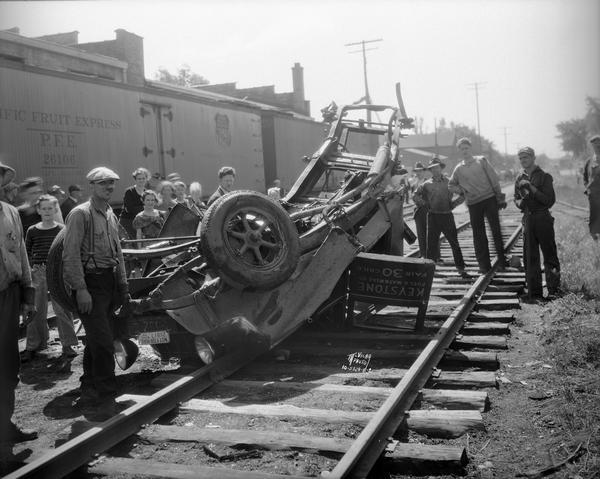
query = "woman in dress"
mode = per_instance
[
  {"x": 132, "y": 201},
  {"x": 591, "y": 181},
  {"x": 148, "y": 222},
  {"x": 166, "y": 194}
]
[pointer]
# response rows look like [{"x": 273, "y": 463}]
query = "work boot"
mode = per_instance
[
  {"x": 463, "y": 273},
  {"x": 106, "y": 409},
  {"x": 88, "y": 398},
  {"x": 69, "y": 352},
  {"x": 27, "y": 356},
  {"x": 15, "y": 435}
]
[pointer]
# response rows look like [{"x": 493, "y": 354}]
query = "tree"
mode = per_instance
[
  {"x": 184, "y": 77},
  {"x": 573, "y": 134}
]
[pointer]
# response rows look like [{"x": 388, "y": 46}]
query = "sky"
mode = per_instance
[{"x": 535, "y": 60}]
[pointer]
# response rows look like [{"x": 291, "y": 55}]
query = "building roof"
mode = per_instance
[{"x": 429, "y": 140}]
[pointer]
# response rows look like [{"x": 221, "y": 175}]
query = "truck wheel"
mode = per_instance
[
  {"x": 250, "y": 240},
  {"x": 54, "y": 274}
]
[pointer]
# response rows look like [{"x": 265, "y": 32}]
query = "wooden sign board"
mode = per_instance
[{"x": 391, "y": 280}]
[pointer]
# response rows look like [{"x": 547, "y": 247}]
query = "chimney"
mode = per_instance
[
  {"x": 298, "y": 81},
  {"x": 130, "y": 48}
]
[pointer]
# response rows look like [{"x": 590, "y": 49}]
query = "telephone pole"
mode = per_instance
[
  {"x": 367, "y": 96},
  {"x": 475, "y": 86},
  {"x": 505, "y": 129}
]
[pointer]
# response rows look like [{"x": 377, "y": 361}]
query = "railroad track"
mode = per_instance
[{"x": 326, "y": 400}]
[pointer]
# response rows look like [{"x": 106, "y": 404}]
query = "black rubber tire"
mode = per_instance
[
  {"x": 235, "y": 244},
  {"x": 54, "y": 274}
]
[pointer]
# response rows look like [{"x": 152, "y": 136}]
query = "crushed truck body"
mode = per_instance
[{"x": 260, "y": 267}]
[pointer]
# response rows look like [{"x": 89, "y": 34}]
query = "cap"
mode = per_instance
[
  {"x": 436, "y": 162},
  {"x": 463, "y": 140},
  {"x": 101, "y": 173},
  {"x": 173, "y": 176},
  {"x": 595, "y": 139},
  {"x": 527, "y": 150},
  {"x": 7, "y": 172},
  {"x": 418, "y": 166},
  {"x": 74, "y": 188},
  {"x": 54, "y": 189}
]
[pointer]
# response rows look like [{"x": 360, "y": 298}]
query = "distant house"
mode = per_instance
[{"x": 422, "y": 148}]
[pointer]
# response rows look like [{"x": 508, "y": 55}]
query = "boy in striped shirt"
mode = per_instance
[{"x": 38, "y": 239}]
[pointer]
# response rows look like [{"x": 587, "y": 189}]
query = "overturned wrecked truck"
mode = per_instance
[{"x": 260, "y": 267}]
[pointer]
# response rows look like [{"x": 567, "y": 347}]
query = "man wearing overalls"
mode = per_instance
[{"x": 94, "y": 269}]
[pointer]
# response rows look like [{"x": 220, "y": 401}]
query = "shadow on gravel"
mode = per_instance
[{"x": 45, "y": 372}]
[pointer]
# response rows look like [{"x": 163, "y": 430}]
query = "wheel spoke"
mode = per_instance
[
  {"x": 243, "y": 249},
  {"x": 268, "y": 244},
  {"x": 258, "y": 256},
  {"x": 247, "y": 226},
  {"x": 237, "y": 234}
]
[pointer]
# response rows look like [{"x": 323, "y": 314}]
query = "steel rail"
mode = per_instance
[
  {"x": 373, "y": 440},
  {"x": 82, "y": 449}
]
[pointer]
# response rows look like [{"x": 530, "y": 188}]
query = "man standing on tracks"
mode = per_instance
[
  {"x": 226, "y": 181},
  {"x": 591, "y": 181},
  {"x": 94, "y": 269},
  {"x": 16, "y": 297},
  {"x": 438, "y": 198},
  {"x": 534, "y": 195},
  {"x": 478, "y": 181},
  {"x": 420, "y": 213}
]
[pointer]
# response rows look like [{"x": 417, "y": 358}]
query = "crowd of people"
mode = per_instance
[{"x": 94, "y": 268}]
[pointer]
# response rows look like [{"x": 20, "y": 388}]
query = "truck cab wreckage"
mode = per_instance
[{"x": 260, "y": 268}]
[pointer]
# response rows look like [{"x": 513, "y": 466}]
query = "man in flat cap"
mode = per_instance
[
  {"x": 16, "y": 297},
  {"x": 534, "y": 196},
  {"x": 438, "y": 198},
  {"x": 94, "y": 269},
  {"x": 477, "y": 180},
  {"x": 591, "y": 181}
]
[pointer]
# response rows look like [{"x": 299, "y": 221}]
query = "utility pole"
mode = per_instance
[
  {"x": 367, "y": 96},
  {"x": 475, "y": 86},
  {"x": 505, "y": 129}
]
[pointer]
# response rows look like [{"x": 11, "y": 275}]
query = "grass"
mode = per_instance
[
  {"x": 579, "y": 257},
  {"x": 571, "y": 338}
]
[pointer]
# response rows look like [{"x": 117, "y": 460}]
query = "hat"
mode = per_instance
[
  {"x": 435, "y": 161},
  {"x": 464, "y": 140},
  {"x": 74, "y": 188},
  {"x": 418, "y": 166},
  {"x": 8, "y": 173},
  {"x": 527, "y": 150},
  {"x": 173, "y": 176},
  {"x": 101, "y": 173},
  {"x": 595, "y": 139},
  {"x": 55, "y": 189}
]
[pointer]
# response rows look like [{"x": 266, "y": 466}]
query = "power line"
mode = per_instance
[
  {"x": 475, "y": 86},
  {"x": 364, "y": 55}
]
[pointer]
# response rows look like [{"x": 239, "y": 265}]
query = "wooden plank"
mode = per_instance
[
  {"x": 402, "y": 454},
  {"x": 474, "y": 359},
  {"x": 455, "y": 399},
  {"x": 451, "y": 423},
  {"x": 498, "y": 304},
  {"x": 423, "y": 459},
  {"x": 114, "y": 466},
  {"x": 478, "y": 359},
  {"x": 464, "y": 379},
  {"x": 480, "y": 329},
  {"x": 482, "y": 342}
]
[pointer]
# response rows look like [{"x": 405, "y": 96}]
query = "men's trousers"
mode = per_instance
[
  {"x": 478, "y": 212},
  {"x": 10, "y": 302},
  {"x": 539, "y": 234},
  {"x": 443, "y": 223}
]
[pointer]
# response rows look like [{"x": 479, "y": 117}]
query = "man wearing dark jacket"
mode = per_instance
[{"x": 534, "y": 196}]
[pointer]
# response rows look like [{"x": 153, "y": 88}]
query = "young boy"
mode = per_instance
[{"x": 38, "y": 239}]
